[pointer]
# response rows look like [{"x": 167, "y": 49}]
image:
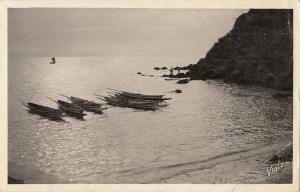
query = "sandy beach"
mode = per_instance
[
  {"x": 241, "y": 167},
  {"x": 245, "y": 167}
]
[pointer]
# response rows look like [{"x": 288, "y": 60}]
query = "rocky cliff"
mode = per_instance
[{"x": 258, "y": 50}]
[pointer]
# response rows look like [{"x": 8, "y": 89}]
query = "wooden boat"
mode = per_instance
[
  {"x": 140, "y": 96},
  {"x": 137, "y": 100},
  {"x": 86, "y": 105},
  {"x": 71, "y": 106},
  {"x": 115, "y": 101},
  {"x": 44, "y": 111},
  {"x": 134, "y": 100},
  {"x": 71, "y": 109},
  {"x": 84, "y": 102}
]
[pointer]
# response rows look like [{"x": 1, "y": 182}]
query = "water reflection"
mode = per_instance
[{"x": 205, "y": 120}]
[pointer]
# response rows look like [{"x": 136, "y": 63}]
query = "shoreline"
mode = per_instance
[
  {"x": 243, "y": 167},
  {"x": 246, "y": 167}
]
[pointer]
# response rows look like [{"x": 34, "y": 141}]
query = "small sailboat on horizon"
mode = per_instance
[{"x": 52, "y": 60}]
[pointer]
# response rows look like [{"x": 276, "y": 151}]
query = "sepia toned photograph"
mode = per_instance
[{"x": 150, "y": 96}]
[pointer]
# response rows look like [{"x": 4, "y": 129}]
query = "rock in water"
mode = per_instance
[
  {"x": 258, "y": 50},
  {"x": 182, "y": 81}
]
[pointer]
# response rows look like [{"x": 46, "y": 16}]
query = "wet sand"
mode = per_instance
[
  {"x": 241, "y": 167},
  {"x": 246, "y": 167}
]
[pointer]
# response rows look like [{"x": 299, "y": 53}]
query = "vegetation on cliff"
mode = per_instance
[{"x": 258, "y": 50}]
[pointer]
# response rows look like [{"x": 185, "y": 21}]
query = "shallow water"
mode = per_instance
[{"x": 208, "y": 119}]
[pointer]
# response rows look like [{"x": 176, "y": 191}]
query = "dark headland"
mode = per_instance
[{"x": 257, "y": 51}]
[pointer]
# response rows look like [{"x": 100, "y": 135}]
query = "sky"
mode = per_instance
[{"x": 116, "y": 32}]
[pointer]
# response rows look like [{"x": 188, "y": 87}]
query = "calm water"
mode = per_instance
[{"x": 208, "y": 119}]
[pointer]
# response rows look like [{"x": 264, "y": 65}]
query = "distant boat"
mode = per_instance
[{"x": 52, "y": 60}]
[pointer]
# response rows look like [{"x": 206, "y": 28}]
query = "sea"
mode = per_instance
[{"x": 209, "y": 119}]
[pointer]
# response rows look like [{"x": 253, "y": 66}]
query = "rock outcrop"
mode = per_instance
[
  {"x": 284, "y": 154},
  {"x": 258, "y": 50}
]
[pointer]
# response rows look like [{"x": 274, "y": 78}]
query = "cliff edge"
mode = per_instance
[{"x": 258, "y": 50}]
